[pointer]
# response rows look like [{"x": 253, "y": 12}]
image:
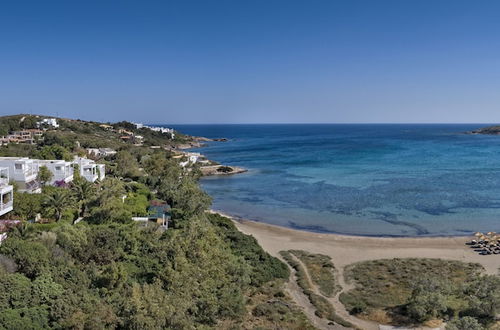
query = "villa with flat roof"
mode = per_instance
[
  {"x": 89, "y": 169},
  {"x": 23, "y": 171},
  {"x": 62, "y": 171}
]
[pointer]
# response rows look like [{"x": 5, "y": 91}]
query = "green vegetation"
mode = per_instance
[
  {"x": 73, "y": 136},
  {"x": 108, "y": 271},
  {"x": 321, "y": 271},
  {"x": 413, "y": 291},
  {"x": 16, "y": 123},
  {"x": 464, "y": 323},
  {"x": 323, "y": 307},
  {"x": 44, "y": 175}
]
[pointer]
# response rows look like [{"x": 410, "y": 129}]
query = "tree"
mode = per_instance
[
  {"x": 484, "y": 296},
  {"x": 32, "y": 318},
  {"x": 429, "y": 298},
  {"x": 126, "y": 165},
  {"x": 107, "y": 206},
  {"x": 31, "y": 257},
  {"x": 27, "y": 206},
  {"x": 44, "y": 175},
  {"x": 83, "y": 191},
  {"x": 464, "y": 323},
  {"x": 189, "y": 200},
  {"x": 16, "y": 291},
  {"x": 142, "y": 307},
  {"x": 54, "y": 152},
  {"x": 57, "y": 201}
]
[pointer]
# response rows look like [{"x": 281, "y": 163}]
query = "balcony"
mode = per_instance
[
  {"x": 6, "y": 199},
  {"x": 32, "y": 187},
  {"x": 25, "y": 171},
  {"x": 4, "y": 176},
  {"x": 6, "y": 207},
  {"x": 64, "y": 174}
]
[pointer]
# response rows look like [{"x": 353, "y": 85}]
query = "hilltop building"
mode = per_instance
[
  {"x": 101, "y": 152},
  {"x": 51, "y": 122}
]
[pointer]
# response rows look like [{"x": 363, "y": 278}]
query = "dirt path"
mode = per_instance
[
  {"x": 301, "y": 299},
  {"x": 340, "y": 308},
  {"x": 335, "y": 302}
]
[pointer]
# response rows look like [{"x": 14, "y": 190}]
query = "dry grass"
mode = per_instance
[
  {"x": 385, "y": 286},
  {"x": 270, "y": 308}
]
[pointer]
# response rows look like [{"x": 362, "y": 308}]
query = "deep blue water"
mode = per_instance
[{"x": 394, "y": 180}]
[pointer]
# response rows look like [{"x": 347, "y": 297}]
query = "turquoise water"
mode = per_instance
[{"x": 382, "y": 180}]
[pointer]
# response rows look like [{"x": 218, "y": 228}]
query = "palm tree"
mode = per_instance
[
  {"x": 83, "y": 191},
  {"x": 58, "y": 201}
]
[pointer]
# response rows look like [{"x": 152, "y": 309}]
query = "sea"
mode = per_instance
[{"x": 375, "y": 180}]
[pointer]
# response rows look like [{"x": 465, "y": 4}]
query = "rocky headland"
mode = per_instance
[{"x": 490, "y": 130}]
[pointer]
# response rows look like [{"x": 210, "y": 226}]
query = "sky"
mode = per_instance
[{"x": 255, "y": 61}]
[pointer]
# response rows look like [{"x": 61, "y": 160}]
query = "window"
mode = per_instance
[{"x": 18, "y": 166}]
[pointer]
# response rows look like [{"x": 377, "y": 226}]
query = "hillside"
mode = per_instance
[{"x": 77, "y": 260}]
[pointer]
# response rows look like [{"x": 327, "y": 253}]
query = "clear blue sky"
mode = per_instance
[{"x": 252, "y": 61}]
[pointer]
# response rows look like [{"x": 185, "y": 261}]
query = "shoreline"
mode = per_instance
[
  {"x": 345, "y": 249},
  {"x": 324, "y": 232}
]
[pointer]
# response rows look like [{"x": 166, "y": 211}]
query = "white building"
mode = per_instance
[
  {"x": 6, "y": 192},
  {"x": 52, "y": 122},
  {"x": 62, "y": 171},
  {"x": 101, "y": 152},
  {"x": 163, "y": 130},
  {"x": 193, "y": 156},
  {"x": 23, "y": 171},
  {"x": 89, "y": 169}
]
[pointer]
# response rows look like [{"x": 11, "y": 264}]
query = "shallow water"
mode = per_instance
[{"x": 391, "y": 180}]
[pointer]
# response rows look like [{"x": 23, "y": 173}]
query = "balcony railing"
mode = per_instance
[
  {"x": 33, "y": 185},
  {"x": 6, "y": 205}
]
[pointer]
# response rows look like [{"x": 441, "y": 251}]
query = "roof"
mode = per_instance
[{"x": 158, "y": 208}]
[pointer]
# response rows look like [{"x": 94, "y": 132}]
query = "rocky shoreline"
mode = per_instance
[
  {"x": 490, "y": 130},
  {"x": 221, "y": 170},
  {"x": 210, "y": 167}
]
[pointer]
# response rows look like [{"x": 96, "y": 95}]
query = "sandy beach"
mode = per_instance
[{"x": 345, "y": 250}]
